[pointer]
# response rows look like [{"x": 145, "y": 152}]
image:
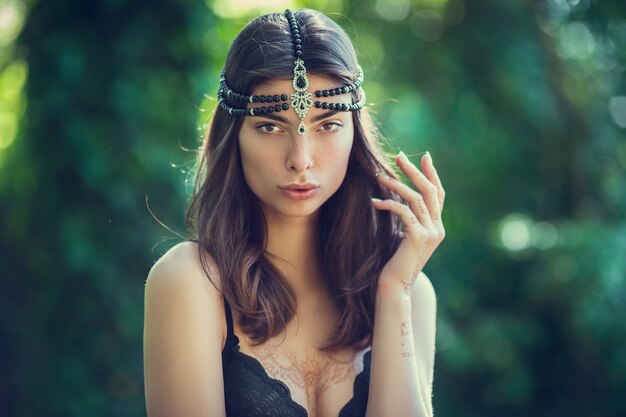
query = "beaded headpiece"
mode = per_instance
[{"x": 301, "y": 99}]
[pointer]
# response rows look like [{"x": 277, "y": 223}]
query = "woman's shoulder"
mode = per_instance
[
  {"x": 178, "y": 279},
  {"x": 184, "y": 335},
  {"x": 179, "y": 289},
  {"x": 180, "y": 269}
]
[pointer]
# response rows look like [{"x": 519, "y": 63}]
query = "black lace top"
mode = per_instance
[{"x": 250, "y": 392}]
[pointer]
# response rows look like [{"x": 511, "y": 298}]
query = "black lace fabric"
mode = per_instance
[{"x": 250, "y": 392}]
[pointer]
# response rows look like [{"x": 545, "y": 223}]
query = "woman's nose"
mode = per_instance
[{"x": 300, "y": 156}]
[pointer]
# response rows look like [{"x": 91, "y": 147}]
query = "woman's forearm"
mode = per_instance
[{"x": 394, "y": 384}]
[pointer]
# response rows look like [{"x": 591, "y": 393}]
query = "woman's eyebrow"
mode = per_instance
[
  {"x": 313, "y": 120},
  {"x": 275, "y": 117},
  {"x": 324, "y": 115}
]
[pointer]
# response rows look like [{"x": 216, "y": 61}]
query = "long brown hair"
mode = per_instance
[{"x": 226, "y": 219}]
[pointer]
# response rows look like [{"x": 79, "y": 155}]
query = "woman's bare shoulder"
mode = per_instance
[
  {"x": 181, "y": 266},
  {"x": 184, "y": 334}
]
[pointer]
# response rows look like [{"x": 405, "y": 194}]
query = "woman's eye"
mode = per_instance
[
  {"x": 268, "y": 128},
  {"x": 330, "y": 126}
]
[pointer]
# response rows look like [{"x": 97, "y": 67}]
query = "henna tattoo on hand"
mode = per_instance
[
  {"x": 406, "y": 287},
  {"x": 416, "y": 272},
  {"x": 404, "y": 329}
]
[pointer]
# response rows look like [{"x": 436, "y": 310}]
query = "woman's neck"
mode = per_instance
[{"x": 292, "y": 246}]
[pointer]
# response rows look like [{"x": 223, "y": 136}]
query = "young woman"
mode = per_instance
[{"x": 302, "y": 291}]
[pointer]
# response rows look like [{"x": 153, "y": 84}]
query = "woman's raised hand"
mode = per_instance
[{"x": 421, "y": 216}]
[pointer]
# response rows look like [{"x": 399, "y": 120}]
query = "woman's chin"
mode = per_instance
[{"x": 293, "y": 209}]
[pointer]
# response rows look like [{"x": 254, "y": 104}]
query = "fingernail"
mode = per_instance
[
  {"x": 428, "y": 157},
  {"x": 382, "y": 174},
  {"x": 403, "y": 157},
  {"x": 376, "y": 200}
]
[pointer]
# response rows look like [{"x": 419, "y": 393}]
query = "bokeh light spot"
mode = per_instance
[
  {"x": 515, "y": 232},
  {"x": 12, "y": 15},
  {"x": 393, "y": 10},
  {"x": 576, "y": 41},
  {"x": 427, "y": 25},
  {"x": 617, "y": 108},
  {"x": 544, "y": 235}
]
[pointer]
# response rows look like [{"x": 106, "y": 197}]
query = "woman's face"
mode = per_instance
[{"x": 293, "y": 174}]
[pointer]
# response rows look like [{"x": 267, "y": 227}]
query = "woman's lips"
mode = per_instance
[{"x": 299, "y": 194}]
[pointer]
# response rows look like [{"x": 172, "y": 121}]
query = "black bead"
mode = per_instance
[
  {"x": 297, "y": 41},
  {"x": 262, "y": 99},
  {"x": 324, "y": 105},
  {"x": 318, "y": 93},
  {"x": 269, "y": 99},
  {"x": 331, "y": 106},
  {"x": 262, "y": 110},
  {"x": 344, "y": 107},
  {"x": 344, "y": 90},
  {"x": 285, "y": 106},
  {"x": 298, "y": 53},
  {"x": 277, "y": 107},
  {"x": 255, "y": 111},
  {"x": 298, "y": 47},
  {"x": 284, "y": 97},
  {"x": 325, "y": 93},
  {"x": 331, "y": 92},
  {"x": 318, "y": 104},
  {"x": 296, "y": 36},
  {"x": 269, "y": 109},
  {"x": 337, "y": 90},
  {"x": 255, "y": 99},
  {"x": 276, "y": 98}
]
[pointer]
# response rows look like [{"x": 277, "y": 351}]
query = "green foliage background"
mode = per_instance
[{"x": 521, "y": 103}]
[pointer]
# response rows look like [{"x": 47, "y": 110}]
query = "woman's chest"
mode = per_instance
[{"x": 319, "y": 382}]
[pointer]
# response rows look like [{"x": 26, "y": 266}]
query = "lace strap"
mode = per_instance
[{"x": 230, "y": 335}]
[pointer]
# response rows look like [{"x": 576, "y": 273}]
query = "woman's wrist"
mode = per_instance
[{"x": 391, "y": 287}]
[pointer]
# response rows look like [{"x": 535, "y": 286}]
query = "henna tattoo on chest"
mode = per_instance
[{"x": 317, "y": 372}]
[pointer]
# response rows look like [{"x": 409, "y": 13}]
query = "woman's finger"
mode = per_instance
[
  {"x": 422, "y": 184},
  {"x": 408, "y": 218},
  {"x": 414, "y": 199},
  {"x": 429, "y": 170}
]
